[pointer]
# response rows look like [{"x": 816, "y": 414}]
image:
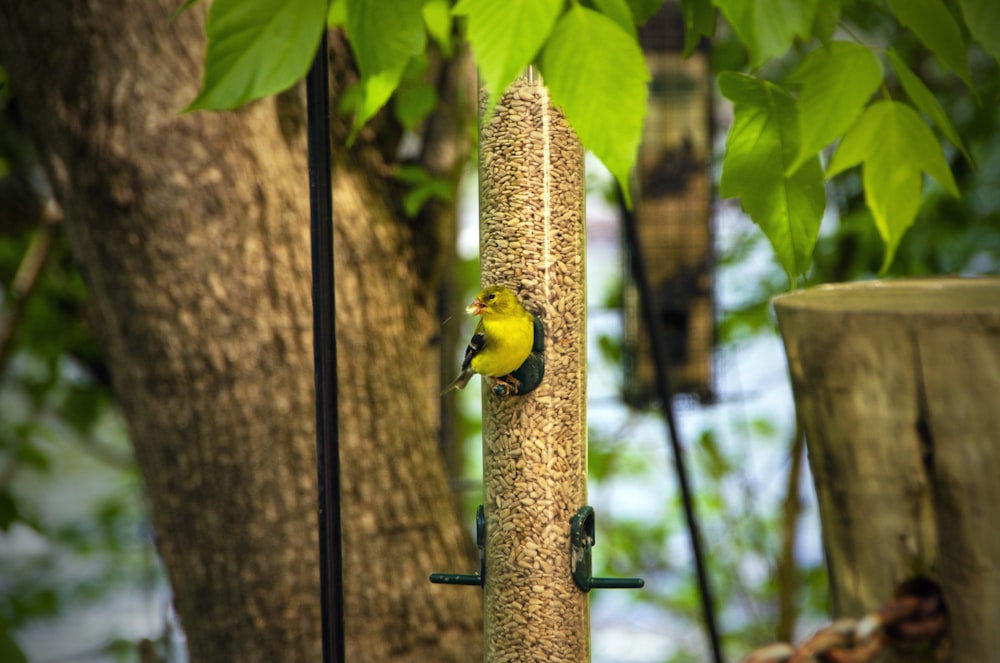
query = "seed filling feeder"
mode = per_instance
[{"x": 534, "y": 544}]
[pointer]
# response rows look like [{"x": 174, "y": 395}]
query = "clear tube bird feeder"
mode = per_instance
[{"x": 532, "y": 240}]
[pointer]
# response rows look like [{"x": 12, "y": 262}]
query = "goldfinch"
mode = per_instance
[{"x": 502, "y": 341}]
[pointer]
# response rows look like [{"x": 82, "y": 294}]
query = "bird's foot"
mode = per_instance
[{"x": 506, "y": 385}]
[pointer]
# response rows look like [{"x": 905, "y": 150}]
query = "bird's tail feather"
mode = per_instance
[{"x": 460, "y": 382}]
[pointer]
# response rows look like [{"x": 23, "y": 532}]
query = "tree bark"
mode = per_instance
[
  {"x": 896, "y": 387},
  {"x": 192, "y": 233}
]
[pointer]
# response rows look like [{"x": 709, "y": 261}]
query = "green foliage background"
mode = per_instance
[
  {"x": 808, "y": 74},
  {"x": 73, "y": 521}
]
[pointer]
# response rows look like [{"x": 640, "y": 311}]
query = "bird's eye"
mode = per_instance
[{"x": 491, "y": 297}]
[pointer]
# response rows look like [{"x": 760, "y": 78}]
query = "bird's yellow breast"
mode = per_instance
[{"x": 508, "y": 344}]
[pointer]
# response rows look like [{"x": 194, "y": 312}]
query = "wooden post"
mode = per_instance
[
  {"x": 532, "y": 239},
  {"x": 897, "y": 385}
]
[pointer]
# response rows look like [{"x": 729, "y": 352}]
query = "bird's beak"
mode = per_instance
[{"x": 475, "y": 308}]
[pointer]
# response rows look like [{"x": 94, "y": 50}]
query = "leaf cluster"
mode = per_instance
[
  {"x": 821, "y": 75},
  {"x": 587, "y": 52},
  {"x": 844, "y": 88}
]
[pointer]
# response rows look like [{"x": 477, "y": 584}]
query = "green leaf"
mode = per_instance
[
  {"x": 894, "y": 145},
  {"x": 257, "y": 48},
  {"x": 10, "y": 513},
  {"x": 602, "y": 91},
  {"x": 336, "y": 14},
  {"x": 934, "y": 25},
  {"x": 699, "y": 21},
  {"x": 982, "y": 17},
  {"x": 893, "y": 130},
  {"x": 768, "y": 27},
  {"x": 927, "y": 102},
  {"x": 384, "y": 36},
  {"x": 837, "y": 82},
  {"x": 711, "y": 456},
  {"x": 762, "y": 143},
  {"x": 827, "y": 19},
  {"x": 422, "y": 187},
  {"x": 506, "y": 36},
  {"x": 81, "y": 407},
  {"x": 437, "y": 18},
  {"x": 29, "y": 454},
  {"x": 415, "y": 97},
  {"x": 643, "y": 10},
  {"x": 10, "y": 652},
  {"x": 414, "y": 101},
  {"x": 619, "y": 12},
  {"x": 610, "y": 347}
]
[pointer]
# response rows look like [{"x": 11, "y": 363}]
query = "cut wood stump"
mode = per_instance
[{"x": 897, "y": 386}]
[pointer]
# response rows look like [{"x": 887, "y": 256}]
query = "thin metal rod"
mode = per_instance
[
  {"x": 661, "y": 358},
  {"x": 325, "y": 356}
]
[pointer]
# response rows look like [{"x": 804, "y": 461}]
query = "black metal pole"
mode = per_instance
[
  {"x": 661, "y": 358},
  {"x": 325, "y": 356}
]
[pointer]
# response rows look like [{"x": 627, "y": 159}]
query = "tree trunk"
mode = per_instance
[
  {"x": 896, "y": 386},
  {"x": 192, "y": 233}
]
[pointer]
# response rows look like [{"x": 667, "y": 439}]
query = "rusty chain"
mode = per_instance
[{"x": 907, "y": 621}]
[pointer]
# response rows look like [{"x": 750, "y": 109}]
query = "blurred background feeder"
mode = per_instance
[{"x": 673, "y": 209}]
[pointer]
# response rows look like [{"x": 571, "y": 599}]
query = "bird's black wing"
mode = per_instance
[{"x": 476, "y": 344}]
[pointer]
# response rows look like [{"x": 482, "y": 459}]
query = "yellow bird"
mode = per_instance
[{"x": 502, "y": 340}]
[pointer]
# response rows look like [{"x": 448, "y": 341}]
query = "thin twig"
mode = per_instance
[
  {"x": 25, "y": 280},
  {"x": 786, "y": 566}
]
